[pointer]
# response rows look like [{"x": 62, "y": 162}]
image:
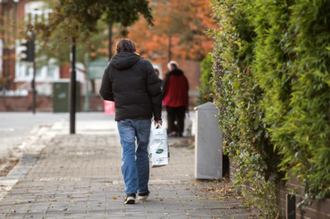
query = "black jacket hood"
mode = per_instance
[
  {"x": 176, "y": 72},
  {"x": 124, "y": 60},
  {"x": 135, "y": 90}
]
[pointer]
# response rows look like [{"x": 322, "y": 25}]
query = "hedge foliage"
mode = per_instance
[
  {"x": 292, "y": 66},
  {"x": 205, "y": 92},
  {"x": 271, "y": 81},
  {"x": 238, "y": 97}
]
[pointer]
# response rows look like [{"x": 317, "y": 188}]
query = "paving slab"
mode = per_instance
[{"x": 79, "y": 176}]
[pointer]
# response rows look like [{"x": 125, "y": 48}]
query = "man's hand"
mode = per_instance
[{"x": 160, "y": 122}]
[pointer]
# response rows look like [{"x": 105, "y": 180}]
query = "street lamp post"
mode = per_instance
[
  {"x": 73, "y": 88},
  {"x": 86, "y": 105},
  {"x": 34, "y": 77}
]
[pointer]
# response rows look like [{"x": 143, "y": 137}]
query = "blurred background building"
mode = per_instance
[{"x": 183, "y": 41}]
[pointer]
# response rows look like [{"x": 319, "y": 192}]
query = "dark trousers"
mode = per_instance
[{"x": 175, "y": 114}]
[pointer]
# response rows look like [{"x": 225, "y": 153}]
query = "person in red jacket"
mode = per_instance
[{"x": 175, "y": 98}]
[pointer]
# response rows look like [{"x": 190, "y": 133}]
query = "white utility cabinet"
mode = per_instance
[{"x": 208, "y": 142}]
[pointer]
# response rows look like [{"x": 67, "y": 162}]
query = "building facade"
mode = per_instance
[{"x": 16, "y": 75}]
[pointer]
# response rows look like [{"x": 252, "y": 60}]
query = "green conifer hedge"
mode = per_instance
[
  {"x": 272, "y": 86},
  {"x": 292, "y": 67},
  {"x": 205, "y": 90}
]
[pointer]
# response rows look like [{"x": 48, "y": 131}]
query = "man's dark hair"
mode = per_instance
[{"x": 125, "y": 45}]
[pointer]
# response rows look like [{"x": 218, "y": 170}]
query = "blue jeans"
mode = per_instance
[{"x": 135, "y": 166}]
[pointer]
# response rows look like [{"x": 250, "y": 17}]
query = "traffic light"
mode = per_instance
[{"x": 29, "y": 51}]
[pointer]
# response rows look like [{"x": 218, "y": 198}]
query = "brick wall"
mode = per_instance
[
  {"x": 13, "y": 12},
  {"x": 43, "y": 103},
  {"x": 8, "y": 12},
  {"x": 318, "y": 210},
  {"x": 65, "y": 70},
  {"x": 8, "y": 67},
  {"x": 15, "y": 104},
  {"x": 24, "y": 103}
]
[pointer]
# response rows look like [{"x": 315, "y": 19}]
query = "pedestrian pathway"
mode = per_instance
[{"x": 78, "y": 176}]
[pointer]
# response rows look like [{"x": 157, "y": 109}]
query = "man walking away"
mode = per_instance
[
  {"x": 132, "y": 84},
  {"x": 175, "y": 94}
]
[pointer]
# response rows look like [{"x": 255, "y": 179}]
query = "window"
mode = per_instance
[
  {"x": 29, "y": 70},
  {"x": 36, "y": 10},
  {"x": 51, "y": 70},
  {"x": 38, "y": 72}
]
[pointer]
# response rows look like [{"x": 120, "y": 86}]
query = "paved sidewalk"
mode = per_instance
[{"x": 78, "y": 176}]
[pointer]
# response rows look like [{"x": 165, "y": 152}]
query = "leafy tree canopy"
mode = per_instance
[
  {"x": 76, "y": 18},
  {"x": 185, "y": 21}
]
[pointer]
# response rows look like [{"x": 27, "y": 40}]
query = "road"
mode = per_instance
[{"x": 17, "y": 127}]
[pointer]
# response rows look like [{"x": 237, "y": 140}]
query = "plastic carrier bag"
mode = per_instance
[{"x": 158, "y": 147}]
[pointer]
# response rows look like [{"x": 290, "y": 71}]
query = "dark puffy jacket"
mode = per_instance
[{"x": 133, "y": 85}]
